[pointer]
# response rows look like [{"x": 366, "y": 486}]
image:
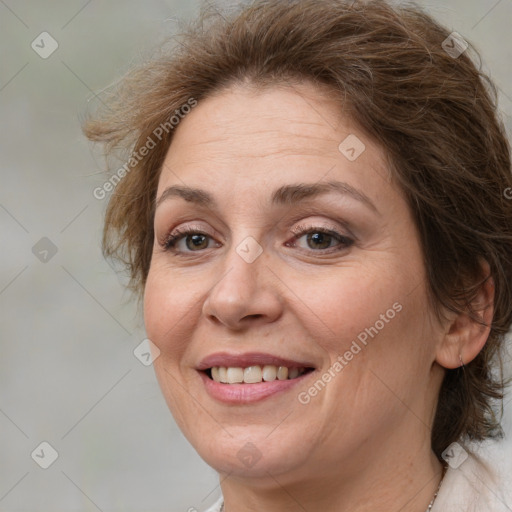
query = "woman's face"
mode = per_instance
[{"x": 281, "y": 241}]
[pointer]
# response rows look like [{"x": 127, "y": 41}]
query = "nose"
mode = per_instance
[{"x": 246, "y": 294}]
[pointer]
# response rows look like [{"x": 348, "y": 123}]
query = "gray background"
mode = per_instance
[{"x": 68, "y": 374}]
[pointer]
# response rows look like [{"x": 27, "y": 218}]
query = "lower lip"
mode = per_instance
[{"x": 248, "y": 393}]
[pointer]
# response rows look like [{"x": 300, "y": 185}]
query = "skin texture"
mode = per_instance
[{"x": 363, "y": 442}]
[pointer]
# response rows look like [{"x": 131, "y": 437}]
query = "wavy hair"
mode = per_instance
[{"x": 432, "y": 111}]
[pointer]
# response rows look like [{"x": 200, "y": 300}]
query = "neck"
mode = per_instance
[{"x": 402, "y": 484}]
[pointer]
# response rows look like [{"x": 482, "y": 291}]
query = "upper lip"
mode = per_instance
[{"x": 247, "y": 359}]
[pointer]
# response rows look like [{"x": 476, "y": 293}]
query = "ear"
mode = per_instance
[{"x": 464, "y": 336}]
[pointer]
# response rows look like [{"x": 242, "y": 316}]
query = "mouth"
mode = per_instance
[
  {"x": 250, "y": 377},
  {"x": 255, "y": 374}
]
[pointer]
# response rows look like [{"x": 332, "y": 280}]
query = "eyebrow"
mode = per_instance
[{"x": 285, "y": 195}]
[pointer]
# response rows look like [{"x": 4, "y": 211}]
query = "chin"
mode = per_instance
[{"x": 250, "y": 452}]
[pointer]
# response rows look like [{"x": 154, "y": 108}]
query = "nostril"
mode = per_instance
[{"x": 254, "y": 317}]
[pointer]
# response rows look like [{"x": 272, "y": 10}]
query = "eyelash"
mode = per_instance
[
  {"x": 344, "y": 241},
  {"x": 175, "y": 236}
]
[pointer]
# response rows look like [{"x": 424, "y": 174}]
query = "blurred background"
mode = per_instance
[{"x": 69, "y": 376}]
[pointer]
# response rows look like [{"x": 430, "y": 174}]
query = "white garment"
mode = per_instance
[
  {"x": 481, "y": 483},
  {"x": 216, "y": 506}
]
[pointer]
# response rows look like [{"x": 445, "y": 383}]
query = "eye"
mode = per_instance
[
  {"x": 312, "y": 238},
  {"x": 188, "y": 239},
  {"x": 319, "y": 239}
]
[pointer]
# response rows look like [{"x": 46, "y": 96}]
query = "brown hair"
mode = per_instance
[{"x": 434, "y": 114}]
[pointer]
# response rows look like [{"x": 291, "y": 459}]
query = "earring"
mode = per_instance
[{"x": 461, "y": 361}]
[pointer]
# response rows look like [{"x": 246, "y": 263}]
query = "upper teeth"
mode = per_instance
[{"x": 254, "y": 374}]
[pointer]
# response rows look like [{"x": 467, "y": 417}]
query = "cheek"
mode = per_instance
[
  {"x": 157, "y": 311},
  {"x": 377, "y": 315},
  {"x": 168, "y": 310},
  {"x": 350, "y": 302},
  {"x": 167, "y": 318},
  {"x": 378, "y": 348}
]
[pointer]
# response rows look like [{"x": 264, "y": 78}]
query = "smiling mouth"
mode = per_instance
[{"x": 255, "y": 374}]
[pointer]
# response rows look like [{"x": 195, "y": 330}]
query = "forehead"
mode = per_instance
[
  {"x": 278, "y": 118},
  {"x": 244, "y": 138}
]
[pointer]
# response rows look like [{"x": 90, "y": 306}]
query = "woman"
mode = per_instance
[{"x": 314, "y": 213}]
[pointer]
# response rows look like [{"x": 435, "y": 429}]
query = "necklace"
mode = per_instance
[
  {"x": 429, "y": 508},
  {"x": 431, "y": 504}
]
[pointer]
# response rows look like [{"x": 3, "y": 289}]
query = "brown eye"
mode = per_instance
[
  {"x": 319, "y": 240},
  {"x": 187, "y": 240},
  {"x": 194, "y": 242}
]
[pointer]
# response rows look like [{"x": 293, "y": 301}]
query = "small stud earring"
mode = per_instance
[{"x": 461, "y": 361}]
